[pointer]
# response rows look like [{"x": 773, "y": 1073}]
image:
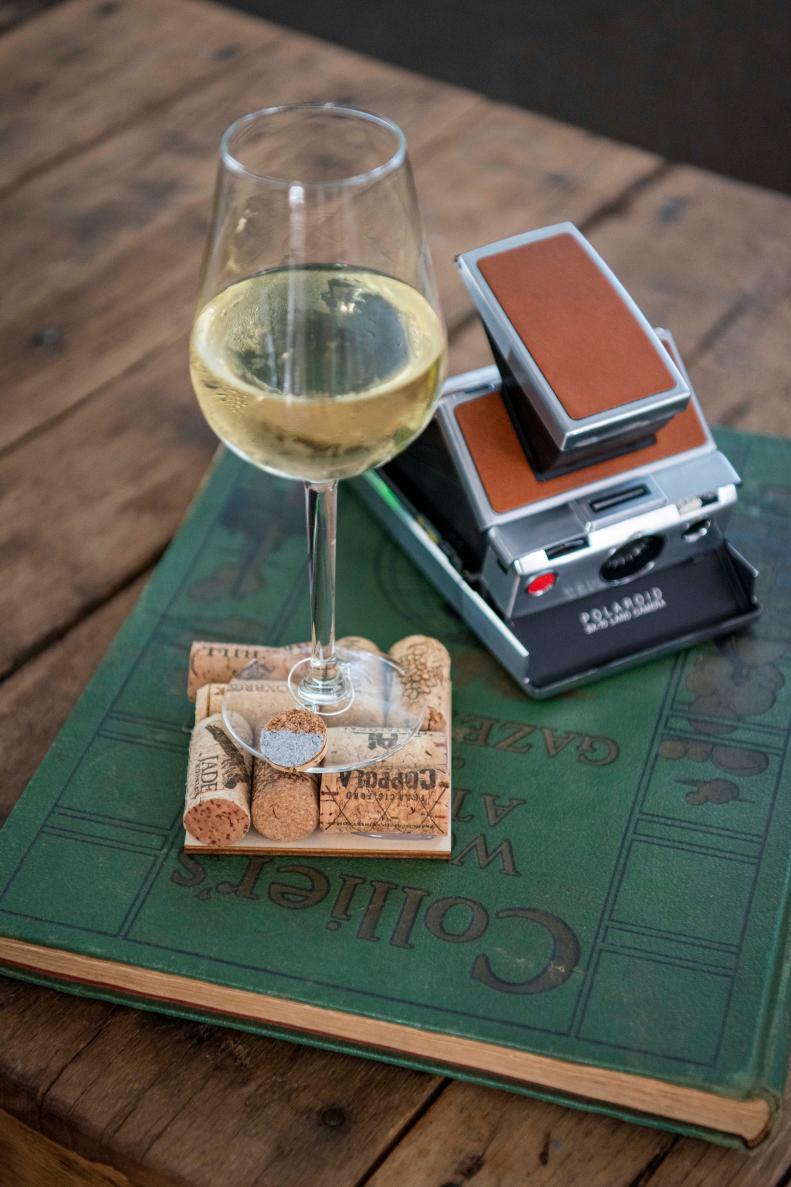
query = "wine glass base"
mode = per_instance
[
  {"x": 329, "y": 697},
  {"x": 374, "y": 719}
]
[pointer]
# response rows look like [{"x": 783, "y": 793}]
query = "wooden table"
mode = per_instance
[{"x": 114, "y": 109}]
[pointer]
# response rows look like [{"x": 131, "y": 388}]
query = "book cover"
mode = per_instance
[{"x": 612, "y": 928}]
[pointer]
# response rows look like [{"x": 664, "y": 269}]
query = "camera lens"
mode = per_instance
[{"x": 631, "y": 558}]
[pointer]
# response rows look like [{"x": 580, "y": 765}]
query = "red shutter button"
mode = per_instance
[{"x": 539, "y": 585}]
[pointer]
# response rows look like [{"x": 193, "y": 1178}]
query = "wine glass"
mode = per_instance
[{"x": 318, "y": 351}]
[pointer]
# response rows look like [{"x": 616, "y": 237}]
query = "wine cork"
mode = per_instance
[
  {"x": 218, "y": 663},
  {"x": 427, "y": 682},
  {"x": 293, "y": 740},
  {"x": 284, "y": 803},
  {"x": 386, "y": 799},
  {"x": 356, "y": 745},
  {"x": 203, "y": 701},
  {"x": 217, "y": 802}
]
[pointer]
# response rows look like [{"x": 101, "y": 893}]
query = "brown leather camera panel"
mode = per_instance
[
  {"x": 506, "y": 474},
  {"x": 591, "y": 349}
]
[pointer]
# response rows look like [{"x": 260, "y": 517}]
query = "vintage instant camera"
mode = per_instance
[{"x": 570, "y": 501}]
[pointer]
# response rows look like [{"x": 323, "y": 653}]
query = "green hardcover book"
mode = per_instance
[{"x": 612, "y": 929}]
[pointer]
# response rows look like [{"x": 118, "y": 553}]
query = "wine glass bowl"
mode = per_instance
[
  {"x": 318, "y": 348},
  {"x": 342, "y": 390}
]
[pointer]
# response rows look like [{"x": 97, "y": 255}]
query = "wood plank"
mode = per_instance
[
  {"x": 743, "y": 374},
  {"x": 14, "y": 11},
  {"x": 87, "y": 66},
  {"x": 469, "y": 348},
  {"x": 205, "y": 1106},
  {"x": 29, "y": 1160},
  {"x": 121, "y": 470},
  {"x": 695, "y": 250},
  {"x": 83, "y": 214},
  {"x": 506, "y": 171},
  {"x": 119, "y": 231},
  {"x": 494, "y": 1139},
  {"x": 41, "y": 1031}
]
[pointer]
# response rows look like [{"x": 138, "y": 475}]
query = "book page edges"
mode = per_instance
[
  {"x": 774, "y": 1037},
  {"x": 749, "y": 1119}
]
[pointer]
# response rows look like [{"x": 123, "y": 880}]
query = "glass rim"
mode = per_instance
[{"x": 234, "y": 165}]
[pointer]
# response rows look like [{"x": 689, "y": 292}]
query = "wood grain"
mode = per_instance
[
  {"x": 14, "y": 11},
  {"x": 473, "y": 1133},
  {"x": 120, "y": 470},
  {"x": 205, "y": 1106},
  {"x": 695, "y": 250},
  {"x": 118, "y": 231},
  {"x": 91, "y": 65},
  {"x": 505, "y": 171},
  {"x": 477, "y": 1135},
  {"x": 40, "y": 1034},
  {"x": 29, "y": 1160},
  {"x": 743, "y": 373}
]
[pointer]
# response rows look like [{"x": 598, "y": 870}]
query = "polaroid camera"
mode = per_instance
[{"x": 570, "y": 502}]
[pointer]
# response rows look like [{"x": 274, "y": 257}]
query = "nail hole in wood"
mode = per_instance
[
  {"x": 48, "y": 339},
  {"x": 333, "y": 1117}
]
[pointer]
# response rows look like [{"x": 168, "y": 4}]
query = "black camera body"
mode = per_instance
[{"x": 570, "y": 500}]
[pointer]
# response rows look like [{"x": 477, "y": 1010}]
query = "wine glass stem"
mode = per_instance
[{"x": 321, "y": 502}]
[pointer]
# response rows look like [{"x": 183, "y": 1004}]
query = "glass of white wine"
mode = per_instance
[{"x": 318, "y": 352}]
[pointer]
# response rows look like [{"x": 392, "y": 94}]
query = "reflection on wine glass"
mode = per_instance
[{"x": 318, "y": 349}]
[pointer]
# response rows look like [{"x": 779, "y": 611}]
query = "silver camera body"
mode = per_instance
[{"x": 585, "y": 567}]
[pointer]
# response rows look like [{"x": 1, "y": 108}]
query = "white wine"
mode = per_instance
[{"x": 318, "y": 372}]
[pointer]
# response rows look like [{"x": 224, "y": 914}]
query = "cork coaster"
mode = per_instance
[
  {"x": 293, "y": 740},
  {"x": 399, "y": 806}
]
